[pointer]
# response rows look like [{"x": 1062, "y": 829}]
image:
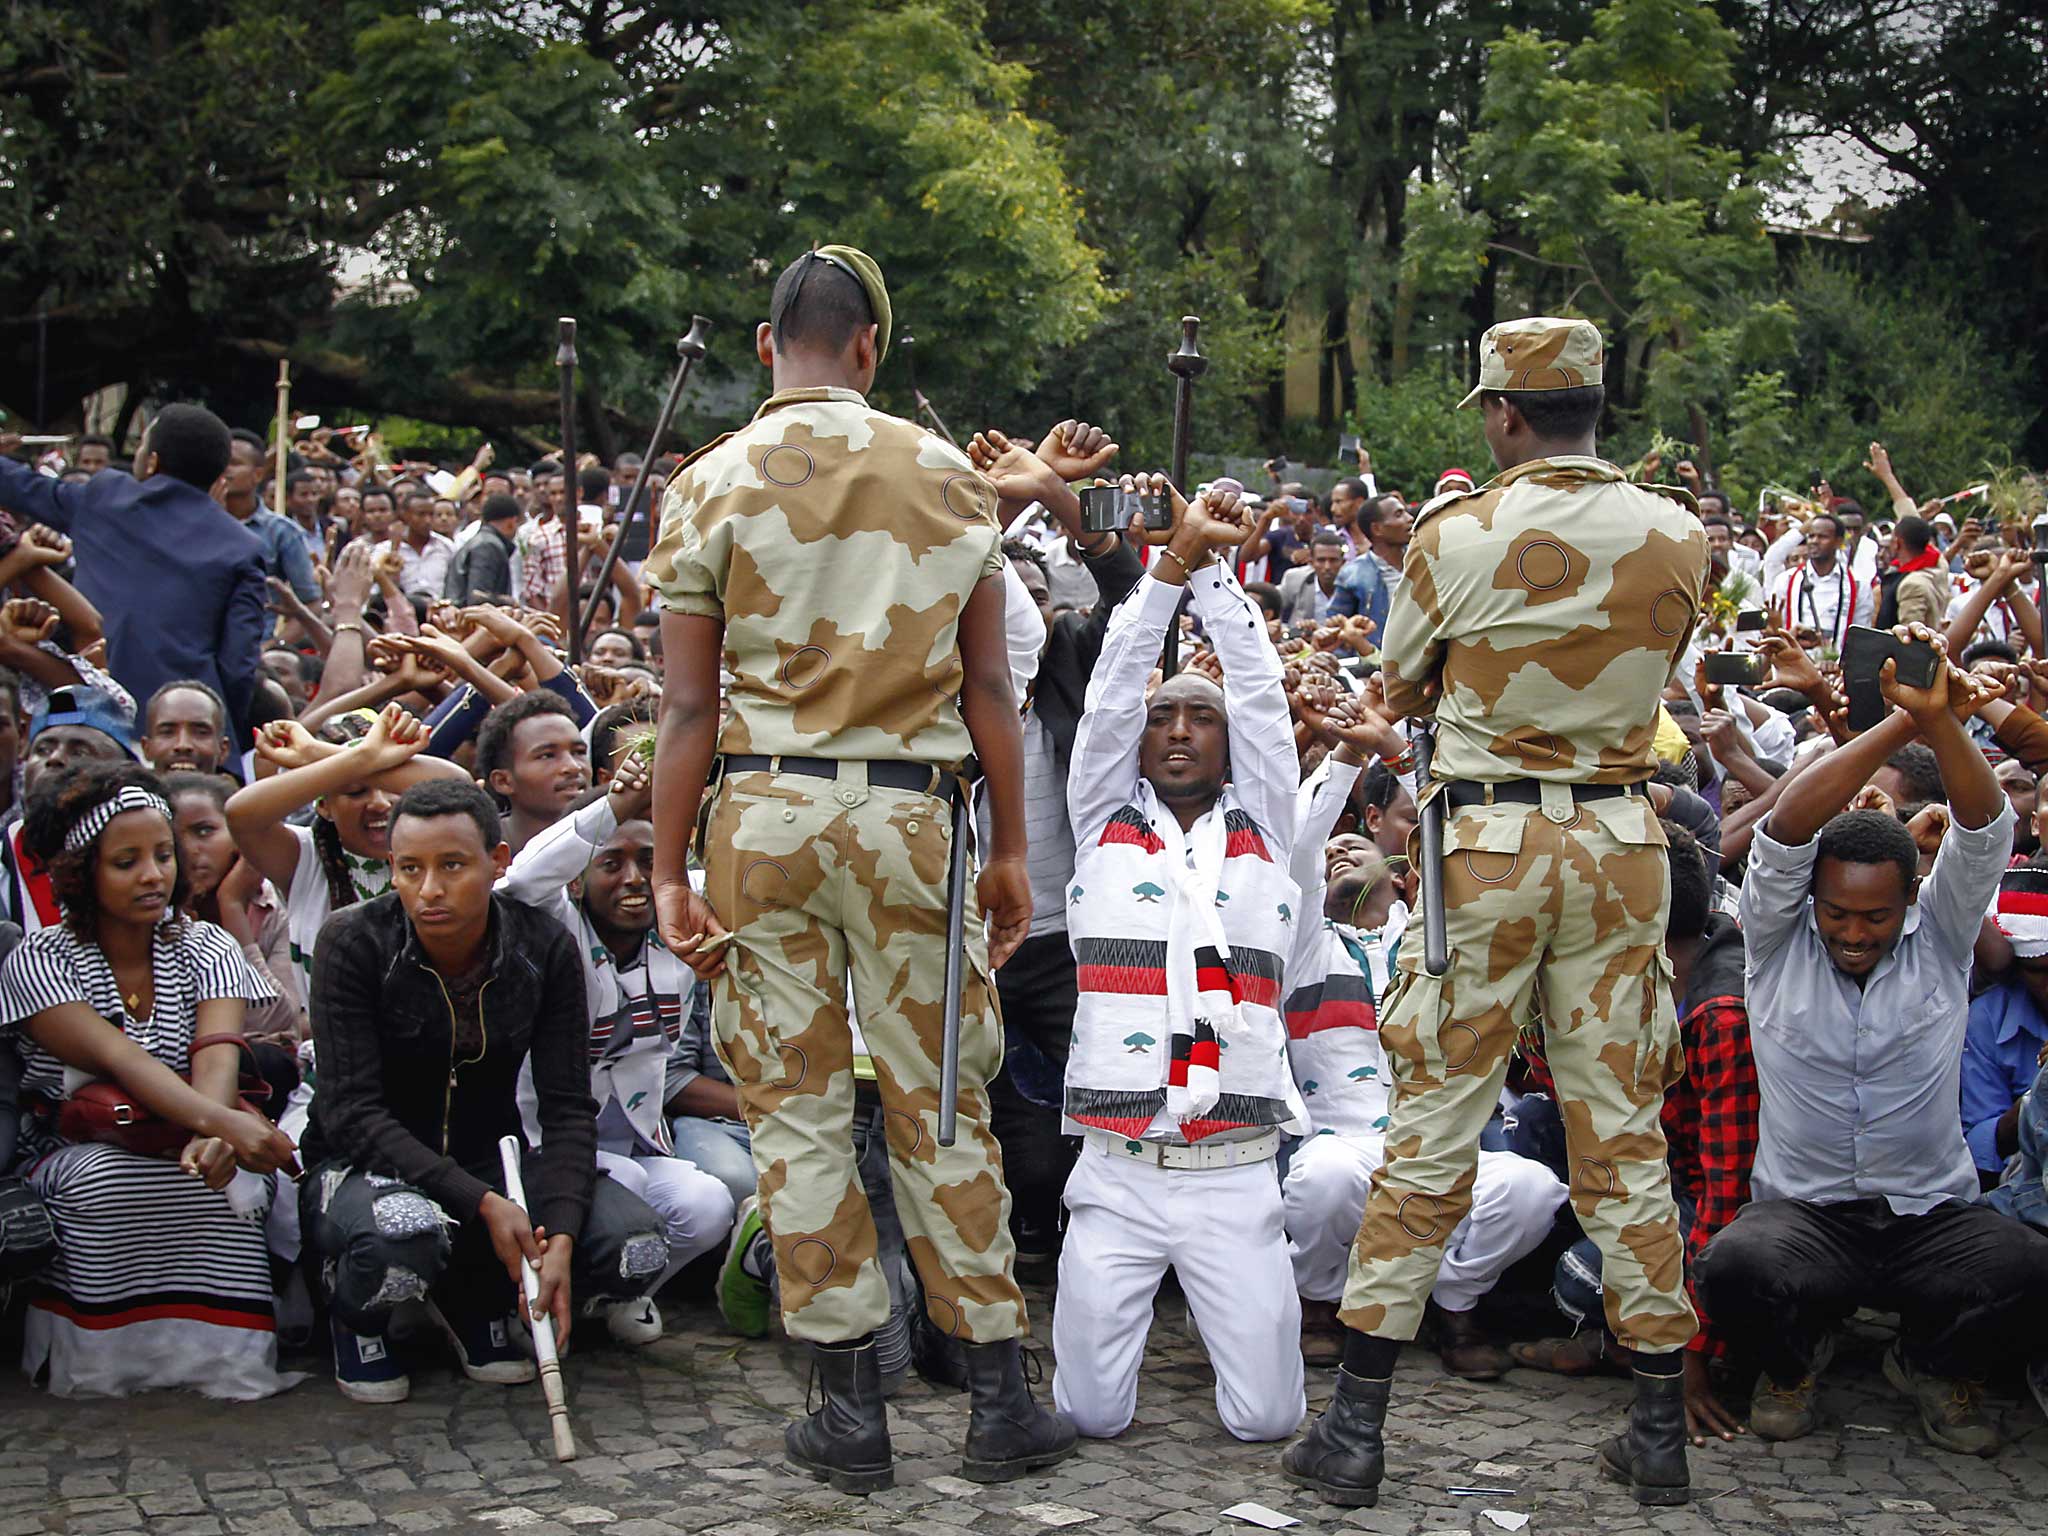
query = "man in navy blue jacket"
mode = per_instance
[{"x": 178, "y": 581}]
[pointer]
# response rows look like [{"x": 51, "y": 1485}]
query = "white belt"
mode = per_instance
[{"x": 1203, "y": 1154}]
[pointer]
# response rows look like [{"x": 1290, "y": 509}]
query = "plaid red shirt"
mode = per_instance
[
  {"x": 543, "y": 556},
  {"x": 1710, "y": 1123}
]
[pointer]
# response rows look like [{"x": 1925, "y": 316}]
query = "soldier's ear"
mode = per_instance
[
  {"x": 865, "y": 344},
  {"x": 764, "y": 344}
]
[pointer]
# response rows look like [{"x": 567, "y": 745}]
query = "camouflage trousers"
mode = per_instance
[
  {"x": 821, "y": 881},
  {"x": 1561, "y": 906}
]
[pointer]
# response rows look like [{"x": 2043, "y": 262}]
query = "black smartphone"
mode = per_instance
[
  {"x": 1864, "y": 653},
  {"x": 1816, "y": 479},
  {"x": 1110, "y": 508},
  {"x": 1099, "y": 505},
  {"x": 1740, "y": 669},
  {"x": 1749, "y": 620}
]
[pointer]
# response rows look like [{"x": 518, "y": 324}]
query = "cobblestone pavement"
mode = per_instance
[{"x": 686, "y": 1437}]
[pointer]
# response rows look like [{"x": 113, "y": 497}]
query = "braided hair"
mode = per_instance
[
  {"x": 1377, "y": 787},
  {"x": 327, "y": 848},
  {"x": 59, "y": 803},
  {"x": 341, "y": 888}
]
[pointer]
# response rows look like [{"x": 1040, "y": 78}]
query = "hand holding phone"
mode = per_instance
[
  {"x": 1110, "y": 509},
  {"x": 1740, "y": 669},
  {"x": 1917, "y": 669}
]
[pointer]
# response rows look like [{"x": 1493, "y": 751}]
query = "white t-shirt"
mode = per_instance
[{"x": 308, "y": 904}]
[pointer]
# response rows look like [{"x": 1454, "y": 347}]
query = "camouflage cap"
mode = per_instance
[
  {"x": 861, "y": 266},
  {"x": 1541, "y": 352}
]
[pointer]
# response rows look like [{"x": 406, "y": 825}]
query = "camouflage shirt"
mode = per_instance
[
  {"x": 839, "y": 546},
  {"x": 1550, "y": 604}
]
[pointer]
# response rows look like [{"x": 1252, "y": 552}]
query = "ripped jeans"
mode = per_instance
[{"x": 376, "y": 1243}]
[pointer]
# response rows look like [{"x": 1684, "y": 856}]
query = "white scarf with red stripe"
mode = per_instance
[
  {"x": 1803, "y": 581},
  {"x": 1178, "y": 940}
]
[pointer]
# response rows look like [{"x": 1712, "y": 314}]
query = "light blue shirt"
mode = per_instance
[
  {"x": 2000, "y": 1062},
  {"x": 1860, "y": 1087}
]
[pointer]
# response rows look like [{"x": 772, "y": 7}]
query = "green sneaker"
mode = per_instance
[{"x": 742, "y": 1297}]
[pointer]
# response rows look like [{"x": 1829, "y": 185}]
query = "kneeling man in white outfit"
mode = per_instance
[{"x": 1182, "y": 807}]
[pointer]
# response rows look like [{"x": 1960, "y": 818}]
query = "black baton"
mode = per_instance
[
  {"x": 956, "y": 966},
  {"x": 1436, "y": 947}
]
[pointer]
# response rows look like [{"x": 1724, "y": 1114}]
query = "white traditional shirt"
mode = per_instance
[
  {"x": 1829, "y": 602},
  {"x": 1116, "y": 819}
]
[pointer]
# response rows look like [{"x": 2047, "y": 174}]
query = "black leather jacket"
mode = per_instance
[
  {"x": 1060, "y": 694},
  {"x": 394, "y": 1099}
]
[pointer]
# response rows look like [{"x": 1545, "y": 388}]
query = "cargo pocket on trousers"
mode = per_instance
[
  {"x": 1663, "y": 1050},
  {"x": 1411, "y": 1024},
  {"x": 1482, "y": 849},
  {"x": 1483, "y": 861}
]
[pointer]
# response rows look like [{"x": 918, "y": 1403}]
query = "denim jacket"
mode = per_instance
[{"x": 1362, "y": 588}]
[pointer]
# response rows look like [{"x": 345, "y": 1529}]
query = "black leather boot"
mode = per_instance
[
  {"x": 846, "y": 1442},
  {"x": 1650, "y": 1458},
  {"x": 1342, "y": 1457},
  {"x": 1008, "y": 1434},
  {"x": 939, "y": 1358}
]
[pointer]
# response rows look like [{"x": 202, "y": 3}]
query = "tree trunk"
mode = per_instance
[
  {"x": 1703, "y": 442},
  {"x": 1337, "y": 387},
  {"x": 601, "y": 439},
  {"x": 1479, "y": 312},
  {"x": 1615, "y": 377},
  {"x": 131, "y": 402},
  {"x": 1403, "y": 323}
]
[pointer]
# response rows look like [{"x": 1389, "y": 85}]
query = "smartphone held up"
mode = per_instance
[
  {"x": 1112, "y": 509},
  {"x": 1864, "y": 653}
]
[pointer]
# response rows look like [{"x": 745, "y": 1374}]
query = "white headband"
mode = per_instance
[{"x": 130, "y": 797}]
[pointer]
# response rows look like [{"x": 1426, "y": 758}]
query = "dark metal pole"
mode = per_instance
[
  {"x": 907, "y": 345},
  {"x": 689, "y": 349},
  {"x": 43, "y": 370},
  {"x": 956, "y": 962},
  {"x": 1186, "y": 366},
  {"x": 1436, "y": 949},
  {"x": 565, "y": 365}
]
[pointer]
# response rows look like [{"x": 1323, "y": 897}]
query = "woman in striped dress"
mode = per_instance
[{"x": 161, "y": 1278}]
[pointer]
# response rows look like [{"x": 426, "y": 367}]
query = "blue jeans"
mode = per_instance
[{"x": 719, "y": 1148}]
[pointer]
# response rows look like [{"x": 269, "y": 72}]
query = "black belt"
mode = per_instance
[
  {"x": 925, "y": 778},
  {"x": 1459, "y": 793}
]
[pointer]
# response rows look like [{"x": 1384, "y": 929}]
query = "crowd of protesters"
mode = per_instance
[{"x": 326, "y": 870}]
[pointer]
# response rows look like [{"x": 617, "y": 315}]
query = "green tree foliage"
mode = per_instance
[
  {"x": 402, "y": 197},
  {"x": 892, "y": 128},
  {"x": 1415, "y": 430},
  {"x": 1183, "y": 131},
  {"x": 186, "y": 183},
  {"x": 1591, "y": 178},
  {"x": 1907, "y": 367}
]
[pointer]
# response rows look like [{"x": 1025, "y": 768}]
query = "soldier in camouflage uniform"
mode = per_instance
[
  {"x": 845, "y": 567},
  {"x": 1540, "y": 619}
]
